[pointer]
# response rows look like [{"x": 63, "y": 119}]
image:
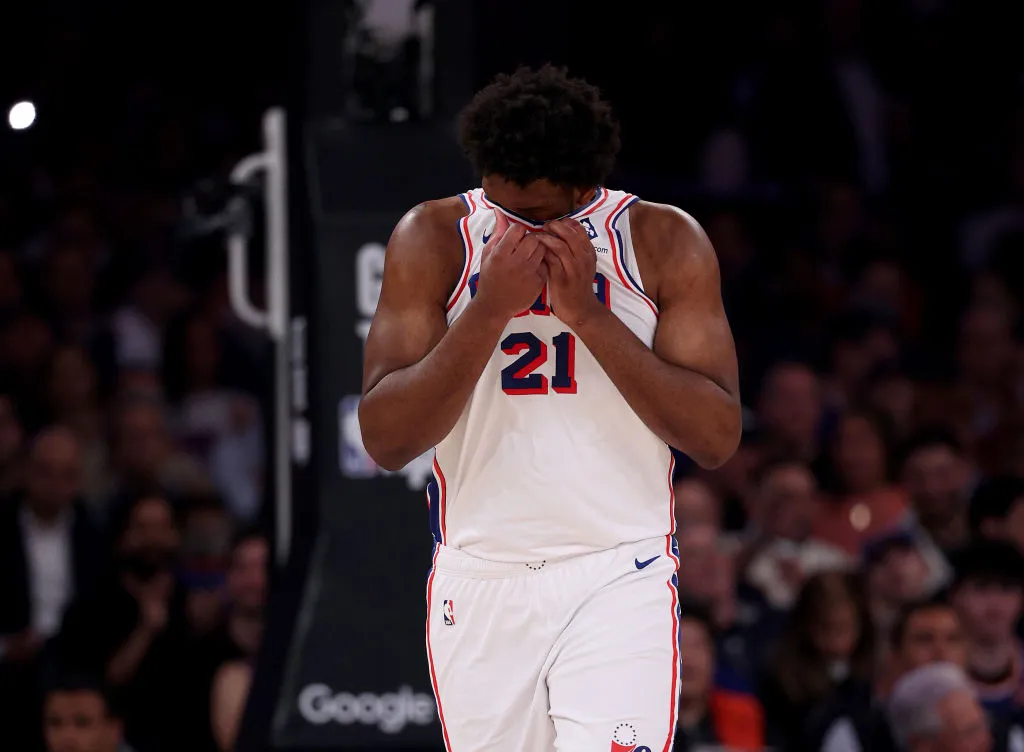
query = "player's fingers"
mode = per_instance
[
  {"x": 513, "y": 235},
  {"x": 577, "y": 230},
  {"x": 556, "y": 246},
  {"x": 558, "y": 261},
  {"x": 566, "y": 236},
  {"x": 500, "y": 224},
  {"x": 546, "y": 265},
  {"x": 530, "y": 249}
]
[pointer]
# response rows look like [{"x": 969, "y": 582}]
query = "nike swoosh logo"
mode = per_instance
[
  {"x": 487, "y": 237},
  {"x": 643, "y": 564}
]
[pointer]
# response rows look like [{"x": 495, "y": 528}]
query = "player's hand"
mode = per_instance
[
  {"x": 571, "y": 263},
  {"x": 512, "y": 272}
]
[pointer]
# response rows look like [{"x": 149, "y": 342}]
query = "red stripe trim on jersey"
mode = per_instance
[
  {"x": 430, "y": 653},
  {"x": 442, "y": 498},
  {"x": 467, "y": 246},
  {"x": 617, "y": 250},
  {"x": 674, "y": 696}
]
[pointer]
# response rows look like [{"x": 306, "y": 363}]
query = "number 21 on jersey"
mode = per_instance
[{"x": 521, "y": 377}]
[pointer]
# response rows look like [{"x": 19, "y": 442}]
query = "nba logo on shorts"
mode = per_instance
[
  {"x": 624, "y": 739},
  {"x": 448, "y": 610}
]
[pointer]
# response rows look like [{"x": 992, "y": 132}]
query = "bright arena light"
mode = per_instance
[{"x": 21, "y": 116}]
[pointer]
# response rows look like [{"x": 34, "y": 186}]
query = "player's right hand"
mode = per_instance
[{"x": 512, "y": 273}]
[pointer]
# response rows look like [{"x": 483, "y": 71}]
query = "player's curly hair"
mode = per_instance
[{"x": 540, "y": 124}]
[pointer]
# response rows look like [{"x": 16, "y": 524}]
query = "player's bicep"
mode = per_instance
[
  {"x": 693, "y": 330},
  {"x": 410, "y": 318}
]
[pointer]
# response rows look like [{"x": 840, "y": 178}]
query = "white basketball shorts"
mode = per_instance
[{"x": 577, "y": 655}]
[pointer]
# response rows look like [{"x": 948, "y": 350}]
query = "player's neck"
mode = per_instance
[{"x": 586, "y": 198}]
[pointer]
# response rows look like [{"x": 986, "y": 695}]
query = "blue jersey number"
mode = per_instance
[{"x": 519, "y": 377}]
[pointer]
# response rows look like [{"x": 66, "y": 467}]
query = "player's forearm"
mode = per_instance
[
  {"x": 685, "y": 409},
  {"x": 410, "y": 410}
]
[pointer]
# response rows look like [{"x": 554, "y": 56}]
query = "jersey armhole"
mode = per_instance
[
  {"x": 619, "y": 226},
  {"x": 467, "y": 249}
]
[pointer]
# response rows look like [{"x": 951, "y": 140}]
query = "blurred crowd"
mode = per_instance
[
  {"x": 851, "y": 580},
  {"x": 133, "y": 561}
]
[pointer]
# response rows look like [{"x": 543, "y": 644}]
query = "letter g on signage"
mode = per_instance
[{"x": 315, "y": 704}]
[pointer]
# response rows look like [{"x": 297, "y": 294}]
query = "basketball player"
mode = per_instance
[{"x": 551, "y": 337}]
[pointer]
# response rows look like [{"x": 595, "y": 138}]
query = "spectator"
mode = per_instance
[
  {"x": 220, "y": 426},
  {"x": 784, "y": 551},
  {"x": 732, "y": 484},
  {"x": 696, "y": 504},
  {"x": 790, "y": 412},
  {"x": 205, "y": 553},
  {"x": 12, "y": 439},
  {"x": 997, "y": 510},
  {"x": 825, "y": 657},
  {"x": 925, "y": 632},
  {"x": 70, "y": 281},
  {"x": 137, "y": 327},
  {"x": 145, "y": 454},
  {"x": 987, "y": 595},
  {"x": 73, "y": 401},
  {"x": 897, "y": 574},
  {"x": 862, "y": 342},
  {"x": 49, "y": 553},
  {"x": 704, "y": 572},
  {"x": 133, "y": 628},
  {"x": 933, "y": 709},
  {"x": 230, "y": 692},
  {"x": 224, "y": 658},
  {"x": 78, "y": 716},
  {"x": 985, "y": 357},
  {"x": 25, "y": 345},
  {"x": 247, "y": 595},
  {"x": 938, "y": 476},
  {"x": 891, "y": 393},
  {"x": 866, "y": 503},
  {"x": 744, "y": 623},
  {"x": 709, "y": 714}
]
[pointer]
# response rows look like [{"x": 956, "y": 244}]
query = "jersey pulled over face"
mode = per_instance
[{"x": 548, "y": 460}]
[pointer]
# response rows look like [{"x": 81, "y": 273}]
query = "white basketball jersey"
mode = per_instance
[{"x": 548, "y": 460}]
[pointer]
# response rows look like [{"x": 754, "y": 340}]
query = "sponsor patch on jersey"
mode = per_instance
[{"x": 448, "y": 611}]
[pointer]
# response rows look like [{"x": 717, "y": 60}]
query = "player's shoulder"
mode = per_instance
[
  {"x": 671, "y": 239},
  {"x": 433, "y": 218},
  {"x": 428, "y": 236}
]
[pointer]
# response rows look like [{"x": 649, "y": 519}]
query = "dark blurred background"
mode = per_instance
[{"x": 859, "y": 167}]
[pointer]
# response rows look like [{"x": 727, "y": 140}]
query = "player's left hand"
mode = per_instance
[{"x": 571, "y": 263}]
